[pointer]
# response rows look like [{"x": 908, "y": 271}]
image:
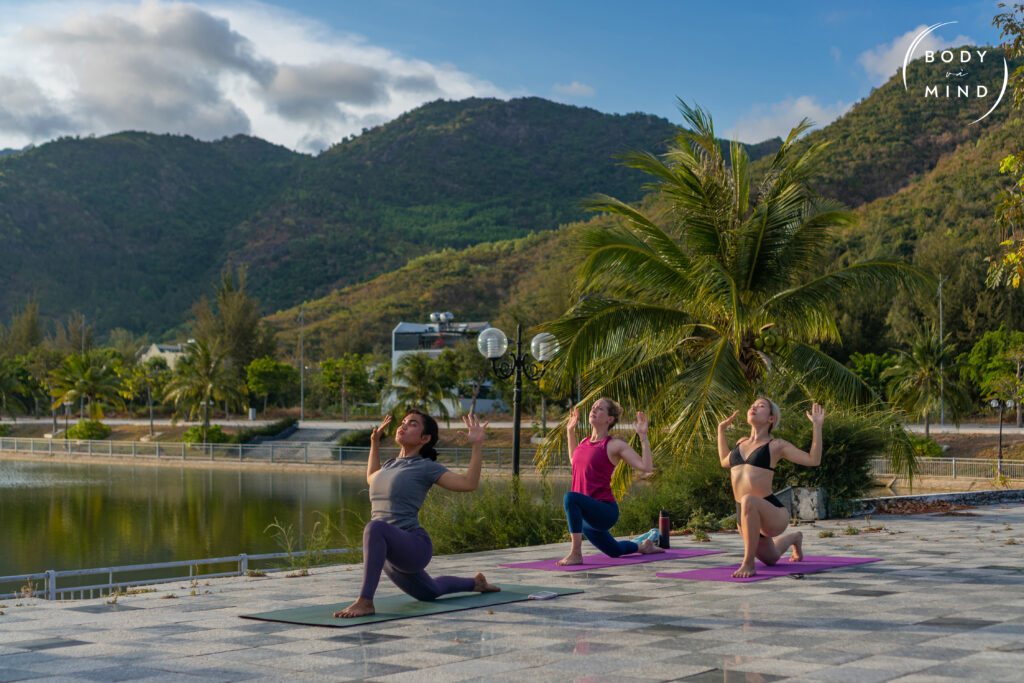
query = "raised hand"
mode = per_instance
[
  {"x": 728, "y": 421},
  {"x": 379, "y": 430},
  {"x": 640, "y": 424},
  {"x": 817, "y": 414},
  {"x": 475, "y": 431},
  {"x": 574, "y": 418}
]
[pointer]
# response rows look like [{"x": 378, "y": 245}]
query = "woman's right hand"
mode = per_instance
[
  {"x": 379, "y": 430},
  {"x": 574, "y": 418},
  {"x": 724, "y": 424}
]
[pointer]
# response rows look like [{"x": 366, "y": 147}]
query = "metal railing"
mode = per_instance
[
  {"x": 51, "y": 591},
  {"x": 954, "y": 468},
  {"x": 267, "y": 452}
]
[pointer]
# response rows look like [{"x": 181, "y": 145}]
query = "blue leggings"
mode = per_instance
[
  {"x": 593, "y": 518},
  {"x": 402, "y": 555}
]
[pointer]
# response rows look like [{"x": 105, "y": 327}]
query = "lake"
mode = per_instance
[{"x": 71, "y": 516}]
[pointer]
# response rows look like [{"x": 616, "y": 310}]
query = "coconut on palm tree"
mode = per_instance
[
  {"x": 201, "y": 377},
  {"x": 717, "y": 293}
]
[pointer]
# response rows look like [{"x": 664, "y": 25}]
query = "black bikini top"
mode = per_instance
[{"x": 761, "y": 457}]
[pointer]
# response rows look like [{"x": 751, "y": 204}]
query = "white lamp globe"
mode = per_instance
[
  {"x": 492, "y": 343},
  {"x": 544, "y": 347}
]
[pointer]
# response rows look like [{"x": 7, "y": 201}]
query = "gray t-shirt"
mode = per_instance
[{"x": 399, "y": 488}]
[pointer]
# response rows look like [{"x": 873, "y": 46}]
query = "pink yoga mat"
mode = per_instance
[
  {"x": 809, "y": 565},
  {"x": 600, "y": 561}
]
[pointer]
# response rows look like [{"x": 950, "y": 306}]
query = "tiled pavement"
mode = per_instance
[{"x": 945, "y": 604}]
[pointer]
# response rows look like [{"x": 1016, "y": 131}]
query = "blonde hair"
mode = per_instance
[
  {"x": 613, "y": 408},
  {"x": 774, "y": 410}
]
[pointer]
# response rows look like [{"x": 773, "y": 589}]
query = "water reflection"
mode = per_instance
[{"x": 70, "y": 516}]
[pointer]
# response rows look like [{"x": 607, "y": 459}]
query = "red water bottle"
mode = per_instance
[{"x": 664, "y": 528}]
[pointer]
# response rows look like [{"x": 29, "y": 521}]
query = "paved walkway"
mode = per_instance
[{"x": 945, "y": 604}]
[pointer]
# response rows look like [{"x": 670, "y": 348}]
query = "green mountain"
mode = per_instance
[
  {"x": 132, "y": 228},
  {"x": 895, "y": 136},
  {"x": 924, "y": 182}
]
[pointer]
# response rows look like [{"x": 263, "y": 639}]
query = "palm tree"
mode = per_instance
[
  {"x": 416, "y": 384},
  {"x": 689, "y": 310},
  {"x": 924, "y": 377},
  {"x": 12, "y": 386},
  {"x": 91, "y": 376},
  {"x": 201, "y": 377}
]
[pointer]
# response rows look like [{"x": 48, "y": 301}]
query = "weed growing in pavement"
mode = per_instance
[
  {"x": 851, "y": 530},
  {"x": 826, "y": 533}
]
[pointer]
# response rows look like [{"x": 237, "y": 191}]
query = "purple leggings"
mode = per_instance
[{"x": 402, "y": 555}]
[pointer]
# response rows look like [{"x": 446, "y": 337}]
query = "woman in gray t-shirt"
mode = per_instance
[{"x": 393, "y": 541}]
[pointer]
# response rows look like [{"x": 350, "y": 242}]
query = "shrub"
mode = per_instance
[
  {"x": 214, "y": 434},
  {"x": 496, "y": 516},
  {"x": 851, "y": 438},
  {"x": 924, "y": 446},
  {"x": 273, "y": 429},
  {"x": 356, "y": 437},
  {"x": 5, "y": 430},
  {"x": 700, "y": 484},
  {"x": 90, "y": 430}
]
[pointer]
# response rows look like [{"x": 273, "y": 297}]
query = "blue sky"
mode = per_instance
[{"x": 307, "y": 73}]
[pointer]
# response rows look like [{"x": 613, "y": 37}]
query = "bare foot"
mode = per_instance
[
  {"x": 798, "y": 547},
  {"x": 359, "y": 608},
  {"x": 648, "y": 547},
  {"x": 745, "y": 571},
  {"x": 480, "y": 584},
  {"x": 570, "y": 559}
]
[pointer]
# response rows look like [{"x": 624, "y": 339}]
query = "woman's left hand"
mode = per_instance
[
  {"x": 474, "y": 430},
  {"x": 640, "y": 424},
  {"x": 817, "y": 415}
]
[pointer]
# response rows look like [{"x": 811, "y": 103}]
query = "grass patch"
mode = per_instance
[{"x": 826, "y": 533}]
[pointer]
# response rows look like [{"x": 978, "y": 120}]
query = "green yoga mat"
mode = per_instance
[{"x": 404, "y": 607}]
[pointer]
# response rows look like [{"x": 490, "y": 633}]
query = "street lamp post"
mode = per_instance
[
  {"x": 493, "y": 344},
  {"x": 1000, "y": 404}
]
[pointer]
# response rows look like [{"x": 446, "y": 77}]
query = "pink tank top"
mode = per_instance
[{"x": 592, "y": 471}]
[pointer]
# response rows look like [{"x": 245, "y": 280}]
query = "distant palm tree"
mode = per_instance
[
  {"x": 924, "y": 377},
  {"x": 12, "y": 387},
  {"x": 690, "y": 309},
  {"x": 415, "y": 383},
  {"x": 91, "y": 376},
  {"x": 201, "y": 377}
]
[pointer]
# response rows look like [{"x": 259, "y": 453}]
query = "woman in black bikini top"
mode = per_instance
[{"x": 759, "y": 514}]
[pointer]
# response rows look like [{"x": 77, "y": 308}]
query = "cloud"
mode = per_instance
[
  {"x": 68, "y": 68},
  {"x": 885, "y": 60},
  {"x": 766, "y": 121},
  {"x": 836, "y": 53},
  {"x": 574, "y": 89}
]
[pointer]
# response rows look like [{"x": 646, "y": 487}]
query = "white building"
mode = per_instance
[
  {"x": 433, "y": 338},
  {"x": 169, "y": 352}
]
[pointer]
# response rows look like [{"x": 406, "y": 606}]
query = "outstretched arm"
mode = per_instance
[
  {"x": 471, "y": 479},
  {"x": 570, "y": 430},
  {"x": 643, "y": 461},
  {"x": 812, "y": 459},
  {"x": 723, "y": 445},
  {"x": 373, "y": 461}
]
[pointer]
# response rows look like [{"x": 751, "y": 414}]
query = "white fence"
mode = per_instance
[{"x": 966, "y": 468}]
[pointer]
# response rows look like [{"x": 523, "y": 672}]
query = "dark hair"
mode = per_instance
[{"x": 430, "y": 428}]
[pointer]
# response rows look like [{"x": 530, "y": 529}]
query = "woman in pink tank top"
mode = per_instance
[{"x": 590, "y": 507}]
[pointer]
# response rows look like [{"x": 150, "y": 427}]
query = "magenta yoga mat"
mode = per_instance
[
  {"x": 601, "y": 561},
  {"x": 809, "y": 565}
]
